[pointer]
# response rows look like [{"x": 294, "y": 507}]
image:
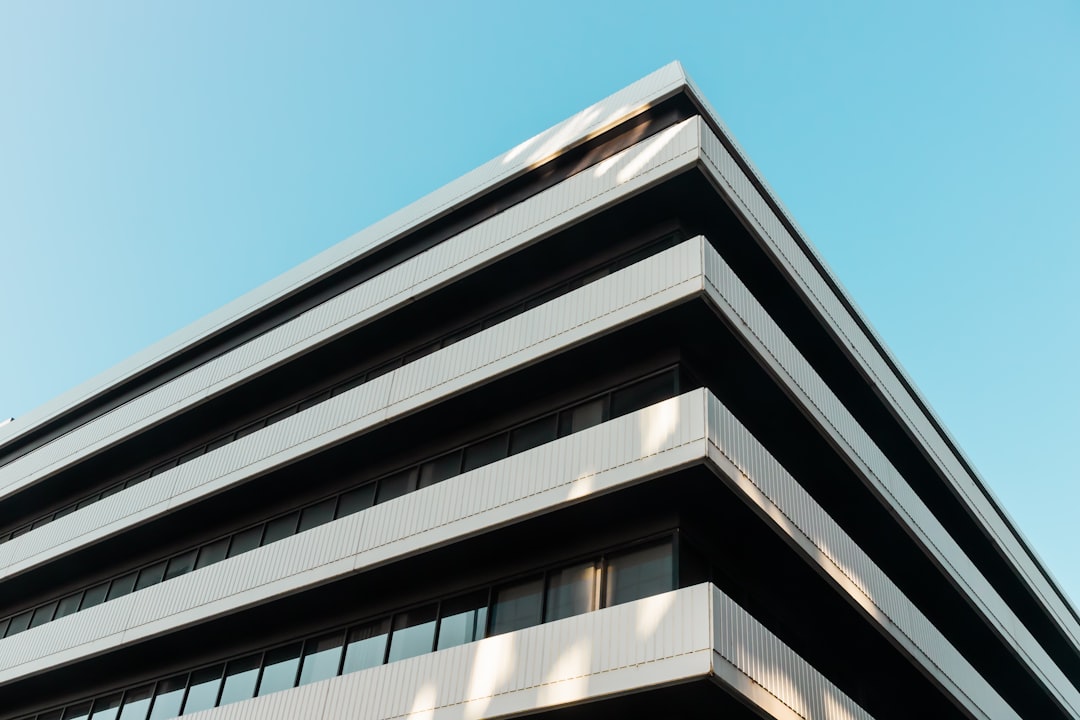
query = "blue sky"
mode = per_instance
[{"x": 160, "y": 159}]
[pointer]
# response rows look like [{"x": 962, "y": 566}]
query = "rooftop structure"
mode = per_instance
[{"x": 591, "y": 431}]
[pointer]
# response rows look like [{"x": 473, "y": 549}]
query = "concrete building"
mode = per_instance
[{"x": 589, "y": 432}]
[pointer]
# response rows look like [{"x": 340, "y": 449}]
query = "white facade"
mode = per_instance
[{"x": 599, "y": 399}]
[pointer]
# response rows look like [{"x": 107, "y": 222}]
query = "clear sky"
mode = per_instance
[{"x": 158, "y": 159}]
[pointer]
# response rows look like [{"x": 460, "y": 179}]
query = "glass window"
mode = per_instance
[
  {"x": 356, "y": 500},
  {"x": 167, "y": 698},
  {"x": 212, "y": 553},
  {"x": 414, "y": 633},
  {"x": 253, "y": 427},
  {"x": 642, "y": 394},
  {"x": 80, "y": 711},
  {"x": 150, "y": 575},
  {"x": 517, "y": 606},
  {"x": 279, "y": 671},
  {"x": 64, "y": 511},
  {"x": 581, "y": 417},
  {"x": 533, "y": 435},
  {"x": 240, "y": 678},
  {"x": 67, "y": 606},
  {"x": 639, "y": 574},
  {"x": 181, "y": 564},
  {"x": 571, "y": 591},
  {"x": 136, "y": 703},
  {"x": 220, "y": 442},
  {"x": 164, "y": 467},
  {"x": 245, "y": 540},
  {"x": 51, "y": 715},
  {"x": 383, "y": 369},
  {"x": 189, "y": 456},
  {"x": 43, "y": 614},
  {"x": 108, "y": 492},
  {"x": 90, "y": 500},
  {"x": 349, "y": 384},
  {"x": 396, "y": 485},
  {"x": 106, "y": 708},
  {"x": 281, "y": 415},
  {"x": 94, "y": 596},
  {"x": 321, "y": 658},
  {"x": 463, "y": 620},
  {"x": 439, "y": 469},
  {"x": 313, "y": 401},
  {"x": 122, "y": 586},
  {"x": 366, "y": 647},
  {"x": 4, "y": 626},
  {"x": 422, "y": 352},
  {"x": 485, "y": 452},
  {"x": 317, "y": 514},
  {"x": 19, "y": 623},
  {"x": 203, "y": 689},
  {"x": 280, "y": 528}
]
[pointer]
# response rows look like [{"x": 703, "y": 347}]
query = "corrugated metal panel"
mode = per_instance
[
  {"x": 759, "y": 330},
  {"x": 620, "y": 452},
  {"x": 863, "y": 347},
  {"x": 765, "y": 483},
  {"x": 746, "y": 645},
  {"x": 635, "y": 291},
  {"x": 585, "y": 124},
  {"x": 649, "y": 643},
  {"x": 512, "y": 229}
]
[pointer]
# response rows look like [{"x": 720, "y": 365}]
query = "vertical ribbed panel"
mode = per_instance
[
  {"x": 775, "y": 350},
  {"x": 768, "y": 485},
  {"x": 512, "y": 229},
  {"x": 623, "y": 451},
  {"x": 759, "y": 655},
  {"x": 885, "y": 373},
  {"x": 572, "y": 318}
]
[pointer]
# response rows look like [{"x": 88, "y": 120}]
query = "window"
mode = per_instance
[
  {"x": 43, "y": 614},
  {"x": 136, "y": 703},
  {"x": 77, "y": 712},
  {"x": 367, "y": 646},
  {"x": 414, "y": 633},
  {"x": 181, "y": 565},
  {"x": 579, "y": 418},
  {"x": 280, "y": 528},
  {"x": 19, "y": 623},
  {"x": 571, "y": 591},
  {"x": 533, "y": 435},
  {"x": 462, "y": 620},
  {"x": 203, "y": 690},
  {"x": 279, "y": 671},
  {"x": 321, "y": 658},
  {"x": 317, "y": 514},
  {"x": 167, "y": 698},
  {"x": 95, "y": 596},
  {"x": 106, "y": 708},
  {"x": 245, "y": 540},
  {"x": 356, "y": 500},
  {"x": 485, "y": 452},
  {"x": 151, "y": 575},
  {"x": 68, "y": 605},
  {"x": 122, "y": 586},
  {"x": 396, "y": 485},
  {"x": 642, "y": 394},
  {"x": 240, "y": 678},
  {"x": 639, "y": 573},
  {"x": 212, "y": 553},
  {"x": 439, "y": 469},
  {"x": 517, "y": 606}
]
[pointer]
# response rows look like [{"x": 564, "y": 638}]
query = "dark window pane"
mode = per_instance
[
  {"x": 571, "y": 591},
  {"x": 313, "y": 401},
  {"x": 279, "y": 671},
  {"x": 421, "y": 352},
  {"x": 317, "y": 514},
  {"x": 213, "y": 553},
  {"x": 639, "y": 574},
  {"x": 396, "y": 485},
  {"x": 191, "y": 455},
  {"x": 349, "y": 384},
  {"x": 181, "y": 564},
  {"x": 321, "y": 658},
  {"x": 107, "y": 492},
  {"x": 220, "y": 442},
  {"x": 581, "y": 417},
  {"x": 356, "y": 500},
  {"x": 43, "y": 614},
  {"x": 484, "y": 452},
  {"x": 4, "y": 626},
  {"x": 77, "y": 712},
  {"x": 280, "y": 528},
  {"x": 366, "y": 647},
  {"x": 68, "y": 605},
  {"x": 533, "y": 435},
  {"x": 150, "y": 575},
  {"x": 19, "y": 623},
  {"x": 90, "y": 500},
  {"x": 281, "y": 415},
  {"x": 106, "y": 708},
  {"x": 203, "y": 689},
  {"x": 245, "y": 540},
  {"x": 164, "y": 467},
  {"x": 64, "y": 511},
  {"x": 240, "y": 678},
  {"x": 122, "y": 586},
  {"x": 94, "y": 596},
  {"x": 463, "y": 621},
  {"x": 439, "y": 469},
  {"x": 642, "y": 394},
  {"x": 167, "y": 698},
  {"x": 252, "y": 428},
  {"x": 136, "y": 703},
  {"x": 517, "y": 606},
  {"x": 414, "y": 633},
  {"x": 383, "y": 369},
  {"x": 51, "y": 715}
]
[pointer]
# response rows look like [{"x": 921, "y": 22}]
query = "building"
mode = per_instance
[{"x": 589, "y": 432}]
